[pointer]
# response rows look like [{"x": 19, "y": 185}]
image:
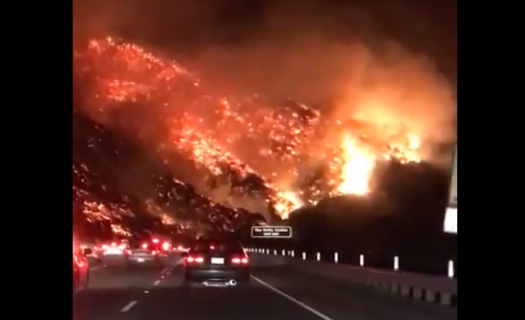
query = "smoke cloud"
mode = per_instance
[
  {"x": 304, "y": 50},
  {"x": 381, "y": 66}
]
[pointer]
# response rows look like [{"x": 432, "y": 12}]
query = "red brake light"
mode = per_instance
[
  {"x": 144, "y": 245},
  {"x": 241, "y": 260},
  {"x": 191, "y": 259},
  {"x": 155, "y": 240},
  {"x": 165, "y": 246},
  {"x": 153, "y": 252},
  {"x": 122, "y": 246}
]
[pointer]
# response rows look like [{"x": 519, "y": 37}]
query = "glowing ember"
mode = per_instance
[{"x": 235, "y": 137}]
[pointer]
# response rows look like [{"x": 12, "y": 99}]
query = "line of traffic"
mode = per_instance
[{"x": 273, "y": 290}]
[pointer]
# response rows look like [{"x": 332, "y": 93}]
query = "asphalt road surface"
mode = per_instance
[{"x": 276, "y": 293}]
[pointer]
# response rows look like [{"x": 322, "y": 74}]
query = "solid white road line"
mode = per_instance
[
  {"x": 156, "y": 282},
  {"x": 128, "y": 306},
  {"x": 292, "y": 299}
]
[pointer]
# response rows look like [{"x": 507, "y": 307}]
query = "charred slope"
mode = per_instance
[
  {"x": 117, "y": 186},
  {"x": 403, "y": 216}
]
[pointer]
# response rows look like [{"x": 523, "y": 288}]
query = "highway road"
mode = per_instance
[{"x": 276, "y": 293}]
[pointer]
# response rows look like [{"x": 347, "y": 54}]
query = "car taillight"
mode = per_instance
[
  {"x": 122, "y": 246},
  {"x": 165, "y": 246},
  {"x": 240, "y": 260},
  {"x": 144, "y": 246},
  {"x": 153, "y": 252},
  {"x": 105, "y": 247},
  {"x": 191, "y": 259},
  {"x": 128, "y": 251}
]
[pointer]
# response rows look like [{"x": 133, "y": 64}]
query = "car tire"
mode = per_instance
[{"x": 186, "y": 283}]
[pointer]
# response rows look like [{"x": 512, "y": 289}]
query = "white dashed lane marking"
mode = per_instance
[
  {"x": 130, "y": 305},
  {"x": 292, "y": 299}
]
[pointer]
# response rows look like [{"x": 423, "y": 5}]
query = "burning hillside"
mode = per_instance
[
  {"x": 103, "y": 193},
  {"x": 242, "y": 151}
]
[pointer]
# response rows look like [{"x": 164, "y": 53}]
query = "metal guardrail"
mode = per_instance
[
  {"x": 395, "y": 263},
  {"x": 441, "y": 290}
]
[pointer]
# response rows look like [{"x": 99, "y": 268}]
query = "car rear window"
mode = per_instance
[
  {"x": 205, "y": 247},
  {"x": 138, "y": 244}
]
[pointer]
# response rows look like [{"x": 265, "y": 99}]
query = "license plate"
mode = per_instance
[
  {"x": 217, "y": 260},
  {"x": 140, "y": 260}
]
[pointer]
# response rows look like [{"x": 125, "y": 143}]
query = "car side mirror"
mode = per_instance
[{"x": 87, "y": 251}]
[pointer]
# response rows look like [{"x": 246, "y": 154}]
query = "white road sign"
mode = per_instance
[
  {"x": 451, "y": 213},
  {"x": 272, "y": 232}
]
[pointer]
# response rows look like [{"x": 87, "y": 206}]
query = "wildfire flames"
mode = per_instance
[{"x": 250, "y": 135}]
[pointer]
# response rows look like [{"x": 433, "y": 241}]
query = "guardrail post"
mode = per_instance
[
  {"x": 304, "y": 255},
  {"x": 318, "y": 256},
  {"x": 396, "y": 263},
  {"x": 292, "y": 253},
  {"x": 451, "y": 269},
  {"x": 284, "y": 252},
  {"x": 361, "y": 260},
  {"x": 267, "y": 251},
  {"x": 274, "y": 252},
  {"x": 336, "y": 257}
]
